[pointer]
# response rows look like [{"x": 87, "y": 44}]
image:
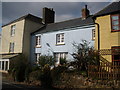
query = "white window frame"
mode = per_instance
[
  {"x": 60, "y": 39},
  {"x": 13, "y": 27},
  {"x": 11, "y": 48},
  {"x": 59, "y": 55},
  {"x": 37, "y": 57},
  {"x": 38, "y": 41}
]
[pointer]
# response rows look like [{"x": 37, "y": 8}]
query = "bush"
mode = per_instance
[
  {"x": 84, "y": 55},
  {"x": 46, "y": 79},
  {"x": 18, "y": 68},
  {"x": 35, "y": 75},
  {"x": 28, "y": 70},
  {"x": 43, "y": 60},
  {"x": 56, "y": 73},
  {"x": 63, "y": 61}
]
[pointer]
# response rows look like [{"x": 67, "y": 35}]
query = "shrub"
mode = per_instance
[
  {"x": 18, "y": 67},
  {"x": 28, "y": 70},
  {"x": 56, "y": 73},
  {"x": 46, "y": 79},
  {"x": 63, "y": 61},
  {"x": 43, "y": 60},
  {"x": 35, "y": 75},
  {"x": 84, "y": 55}
]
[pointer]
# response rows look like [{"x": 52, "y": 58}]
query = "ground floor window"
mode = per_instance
[
  {"x": 4, "y": 65},
  {"x": 60, "y": 55},
  {"x": 37, "y": 56},
  {"x": 116, "y": 54}
]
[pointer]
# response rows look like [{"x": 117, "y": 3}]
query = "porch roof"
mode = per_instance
[{"x": 8, "y": 56}]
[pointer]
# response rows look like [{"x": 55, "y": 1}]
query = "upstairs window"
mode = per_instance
[
  {"x": 13, "y": 30},
  {"x": 38, "y": 41},
  {"x": 93, "y": 34},
  {"x": 115, "y": 21},
  {"x": 116, "y": 53},
  {"x": 60, "y": 39},
  {"x": 11, "y": 48}
]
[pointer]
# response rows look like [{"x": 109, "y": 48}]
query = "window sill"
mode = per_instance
[
  {"x": 11, "y": 52},
  {"x": 38, "y": 46},
  {"x": 115, "y": 30},
  {"x": 60, "y": 44}
]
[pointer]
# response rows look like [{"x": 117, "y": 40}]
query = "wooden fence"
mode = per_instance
[{"x": 105, "y": 71}]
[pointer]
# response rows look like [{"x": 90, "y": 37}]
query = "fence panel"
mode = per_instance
[{"x": 104, "y": 71}]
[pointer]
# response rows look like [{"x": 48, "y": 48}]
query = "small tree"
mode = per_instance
[
  {"x": 18, "y": 67},
  {"x": 43, "y": 60},
  {"x": 84, "y": 55}
]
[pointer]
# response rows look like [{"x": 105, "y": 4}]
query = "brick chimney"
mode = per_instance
[
  {"x": 48, "y": 15},
  {"x": 85, "y": 12}
]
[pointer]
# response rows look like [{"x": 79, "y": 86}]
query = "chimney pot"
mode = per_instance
[
  {"x": 85, "y": 6},
  {"x": 85, "y": 12}
]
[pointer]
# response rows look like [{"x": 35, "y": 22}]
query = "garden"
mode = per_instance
[{"x": 66, "y": 75}]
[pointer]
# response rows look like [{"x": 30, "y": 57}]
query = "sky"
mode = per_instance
[{"x": 63, "y": 10}]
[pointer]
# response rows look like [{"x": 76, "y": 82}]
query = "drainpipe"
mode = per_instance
[{"x": 98, "y": 27}]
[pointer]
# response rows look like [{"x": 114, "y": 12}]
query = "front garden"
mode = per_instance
[{"x": 66, "y": 75}]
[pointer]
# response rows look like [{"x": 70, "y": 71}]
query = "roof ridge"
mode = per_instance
[
  {"x": 22, "y": 17},
  {"x": 68, "y": 20},
  {"x": 64, "y": 21}
]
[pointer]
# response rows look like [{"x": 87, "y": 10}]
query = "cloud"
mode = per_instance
[
  {"x": 63, "y": 10},
  {"x": 63, "y": 17}
]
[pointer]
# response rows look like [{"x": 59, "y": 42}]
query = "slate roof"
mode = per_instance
[
  {"x": 66, "y": 24},
  {"x": 112, "y": 8},
  {"x": 28, "y": 16}
]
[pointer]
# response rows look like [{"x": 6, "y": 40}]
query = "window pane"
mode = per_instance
[
  {"x": 13, "y": 30},
  {"x": 58, "y": 38},
  {"x": 62, "y": 38},
  {"x": 6, "y": 67},
  {"x": 38, "y": 40},
  {"x": 115, "y": 17},
  {"x": 116, "y": 57},
  {"x": 115, "y": 27},
  {"x": 115, "y": 22}
]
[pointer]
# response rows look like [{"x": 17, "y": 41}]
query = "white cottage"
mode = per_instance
[{"x": 57, "y": 38}]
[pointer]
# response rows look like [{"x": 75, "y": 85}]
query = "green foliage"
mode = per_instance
[
  {"x": 43, "y": 60},
  {"x": 28, "y": 70},
  {"x": 63, "y": 61},
  {"x": 35, "y": 75},
  {"x": 18, "y": 68},
  {"x": 84, "y": 55},
  {"x": 56, "y": 73},
  {"x": 46, "y": 79}
]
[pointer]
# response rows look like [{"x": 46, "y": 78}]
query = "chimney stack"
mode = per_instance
[
  {"x": 85, "y": 12},
  {"x": 48, "y": 15}
]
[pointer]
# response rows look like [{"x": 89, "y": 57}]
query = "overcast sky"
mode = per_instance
[{"x": 63, "y": 10}]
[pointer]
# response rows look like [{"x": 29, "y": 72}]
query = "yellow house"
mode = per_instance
[
  {"x": 16, "y": 38},
  {"x": 108, "y": 32}
]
